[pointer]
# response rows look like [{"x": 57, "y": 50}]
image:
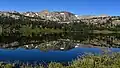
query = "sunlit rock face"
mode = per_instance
[
  {"x": 45, "y": 14},
  {"x": 60, "y": 17}
]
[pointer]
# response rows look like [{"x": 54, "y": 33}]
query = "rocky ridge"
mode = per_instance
[{"x": 61, "y": 17}]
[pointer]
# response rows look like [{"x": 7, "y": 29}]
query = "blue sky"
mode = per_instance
[{"x": 81, "y": 7}]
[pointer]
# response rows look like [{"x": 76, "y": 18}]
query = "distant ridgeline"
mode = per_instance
[{"x": 34, "y": 23}]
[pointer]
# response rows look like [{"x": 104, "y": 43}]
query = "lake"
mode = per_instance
[
  {"x": 62, "y": 47},
  {"x": 36, "y": 55}
]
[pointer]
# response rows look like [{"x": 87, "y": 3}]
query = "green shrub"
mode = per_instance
[
  {"x": 55, "y": 65},
  {"x": 8, "y": 66}
]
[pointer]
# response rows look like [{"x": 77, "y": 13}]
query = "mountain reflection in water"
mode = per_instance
[{"x": 64, "y": 41}]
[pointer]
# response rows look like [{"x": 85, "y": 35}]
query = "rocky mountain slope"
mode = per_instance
[
  {"x": 54, "y": 16},
  {"x": 47, "y": 15},
  {"x": 60, "y": 16}
]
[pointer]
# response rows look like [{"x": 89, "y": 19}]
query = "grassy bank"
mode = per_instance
[
  {"x": 104, "y": 31},
  {"x": 35, "y": 31},
  {"x": 90, "y": 61}
]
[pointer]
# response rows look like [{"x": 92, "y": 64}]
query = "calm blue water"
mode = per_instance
[{"x": 40, "y": 56}]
